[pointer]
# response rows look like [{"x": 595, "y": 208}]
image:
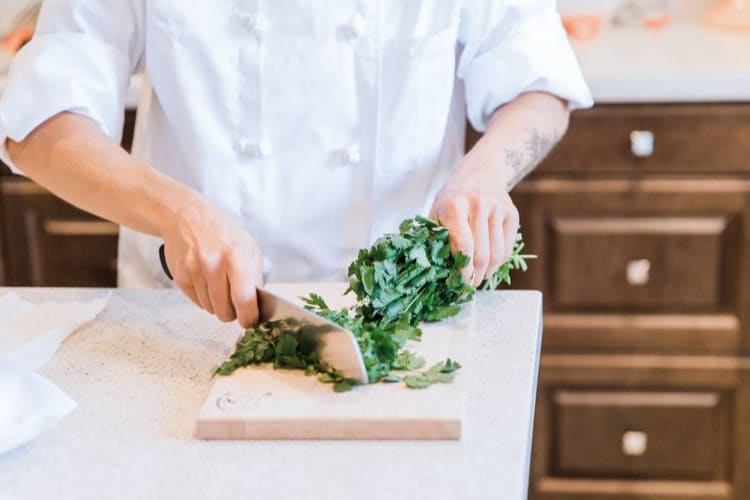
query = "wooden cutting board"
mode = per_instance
[{"x": 263, "y": 403}]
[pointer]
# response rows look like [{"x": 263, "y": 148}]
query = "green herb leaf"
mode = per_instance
[{"x": 400, "y": 281}]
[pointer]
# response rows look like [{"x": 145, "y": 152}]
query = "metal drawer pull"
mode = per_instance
[
  {"x": 634, "y": 443},
  {"x": 642, "y": 143},
  {"x": 638, "y": 272}
]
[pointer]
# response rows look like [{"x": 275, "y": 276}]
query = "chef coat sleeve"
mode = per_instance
[
  {"x": 80, "y": 60},
  {"x": 511, "y": 47}
]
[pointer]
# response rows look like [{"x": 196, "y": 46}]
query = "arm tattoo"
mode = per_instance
[{"x": 536, "y": 147}]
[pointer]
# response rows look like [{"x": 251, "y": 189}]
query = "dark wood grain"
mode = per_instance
[
  {"x": 585, "y": 233},
  {"x": 638, "y": 263},
  {"x": 47, "y": 242},
  {"x": 51, "y": 243},
  {"x": 648, "y": 333},
  {"x": 3, "y": 242},
  {"x": 708, "y": 138},
  {"x": 590, "y": 210},
  {"x": 586, "y": 401},
  {"x": 617, "y": 489},
  {"x": 590, "y": 427}
]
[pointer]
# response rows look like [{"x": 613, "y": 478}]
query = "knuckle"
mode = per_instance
[
  {"x": 231, "y": 254},
  {"x": 248, "y": 318},
  {"x": 478, "y": 202},
  {"x": 192, "y": 265},
  {"x": 208, "y": 261},
  {"x": 495, "y": 262},
  {"x": 465, "y": 246},
  {"x": 226, "y": 316},
  {"x": 449, "y": 210},
  {"x": 481, "y": 259},
  {"x": 182, "y": 280}
]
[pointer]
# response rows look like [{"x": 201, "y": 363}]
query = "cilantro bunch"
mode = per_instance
[
  {"x": 413, "y": 275},
  {"x": 401, "y": 281}
]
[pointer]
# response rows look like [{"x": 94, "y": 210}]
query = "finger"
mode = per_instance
[
  {"x": 497, "y": 241},
  {"x": 189, "y": 292},
  {"x": 218, "y": 291},
  {"x": 455, "y": 216},
  {"x": 201, "y": 290},
  {"x": 510, "y": 230},
  {"x": 480, "y": 215},
  {"x": 181, "y": 277},
  {"x": 242, "y": 282}
]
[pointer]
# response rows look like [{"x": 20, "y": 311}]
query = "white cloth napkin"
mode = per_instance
[{"x": 30, "y": 334}]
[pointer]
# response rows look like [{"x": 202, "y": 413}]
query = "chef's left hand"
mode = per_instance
[{"x": 483, "y": 221}]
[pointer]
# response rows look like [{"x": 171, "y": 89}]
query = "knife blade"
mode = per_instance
[{"x": 336, "y": 345}]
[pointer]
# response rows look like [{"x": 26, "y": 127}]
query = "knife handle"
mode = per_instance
[{"x": 163, "y": 260}]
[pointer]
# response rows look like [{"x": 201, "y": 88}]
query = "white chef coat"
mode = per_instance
[{"x": 319, "y": 125}]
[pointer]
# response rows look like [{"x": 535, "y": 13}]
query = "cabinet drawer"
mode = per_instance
[
  {"x": 622, "y": 434},
  {"x": 647, "y": 263},
  {"x": 657, "y": 246},
  {"x": 709, "y": 138},
  {"x": 51, "y": 243}
]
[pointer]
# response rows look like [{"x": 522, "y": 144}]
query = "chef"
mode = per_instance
[{"x": 288, "y": 131}]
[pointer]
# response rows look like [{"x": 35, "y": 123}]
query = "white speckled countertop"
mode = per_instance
[
  {"x": 684, "y": 62},
  {"x": 141, "y": 371}
]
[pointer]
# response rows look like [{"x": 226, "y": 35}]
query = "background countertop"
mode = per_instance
[
  {"x": 684, "y": 62},
  {"x": 141, "y": 371}
]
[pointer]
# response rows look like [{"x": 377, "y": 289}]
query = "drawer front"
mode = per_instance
[
  {"x": 646, "y": 263},
  {"x": 655, "y": 138},
  {"x": 647, "y": 246},
  {"x": 649, "y": 265},
  {"x": 51, "y": 243},
  {"x": 636, "y": 435}
]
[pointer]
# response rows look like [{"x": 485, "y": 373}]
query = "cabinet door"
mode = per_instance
[
  {"x": 47, "y": 242},
  {"x": 640, "y": 427},
  {"x": 673, "y": 138},
  {"x": 51, "y": 243},
  {"x": 639, "y": 265}
]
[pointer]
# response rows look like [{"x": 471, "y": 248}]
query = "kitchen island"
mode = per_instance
[{"x": 141, "y": 371}]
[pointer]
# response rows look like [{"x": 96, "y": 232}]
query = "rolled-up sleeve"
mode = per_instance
[
  {"x": 80, "y": 60},
  {"x": 516, "y": 46}
]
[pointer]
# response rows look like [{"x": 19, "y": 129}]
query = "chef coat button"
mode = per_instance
[
  {"x": 350, "y": 155},
  {"x": 255, "y": 23},
  {"x": 354, "y": 29},
  {"x": 255, "y": 150},
  {"x": 264, "y": 149}
]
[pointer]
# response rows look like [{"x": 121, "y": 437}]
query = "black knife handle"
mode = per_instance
[{"x": 163, "y": 260}]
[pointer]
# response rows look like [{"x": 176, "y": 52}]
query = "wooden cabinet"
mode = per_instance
[
  {"x": 687, "y": 139},
  {"x": 640, "y": 434},
  {"x": 641, "y": 427},
  {"x": 54, "y": 244},
  {"x": 47, "y": 242},
  {"x": 641, "y": 220},
  {"x": 3, "y": 272}
]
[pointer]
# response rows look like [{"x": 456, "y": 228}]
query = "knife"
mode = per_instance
[{"x": 336, "y": 345}]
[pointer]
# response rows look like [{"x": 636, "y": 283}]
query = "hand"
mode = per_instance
[
  {"x": 215, "y": 262},
  {"x": 475, "y": 205}
]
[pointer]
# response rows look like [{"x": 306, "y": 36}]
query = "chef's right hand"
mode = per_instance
[{"x": 215, "y": 262}]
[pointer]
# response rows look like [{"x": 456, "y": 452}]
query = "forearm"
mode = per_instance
[
  {"x": 520, "y": 134},
  {"x": 70, "y": 156}
]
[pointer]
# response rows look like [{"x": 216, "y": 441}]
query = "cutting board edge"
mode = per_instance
[{"x": 329, "y": 429}]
